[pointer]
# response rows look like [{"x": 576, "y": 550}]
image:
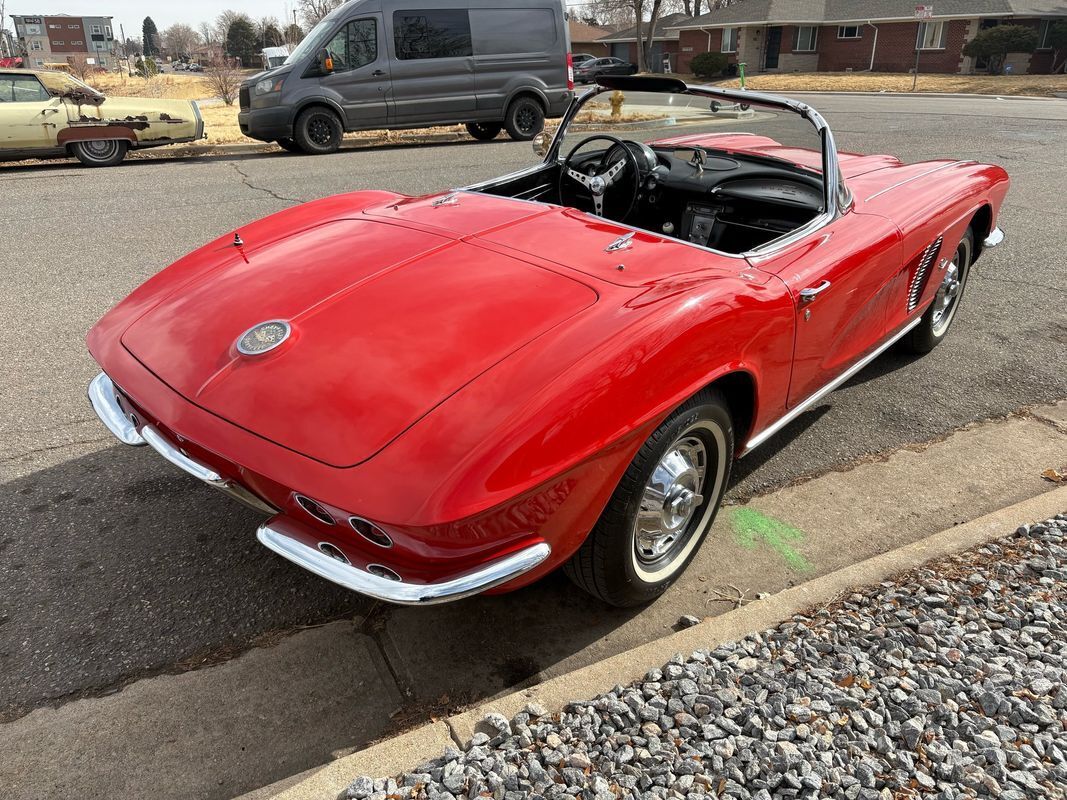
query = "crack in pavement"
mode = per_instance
[
  {"x": 1027, "y": 284},
  {"x": 246, "y": 179},
  {"x": 34, "y": 451}
]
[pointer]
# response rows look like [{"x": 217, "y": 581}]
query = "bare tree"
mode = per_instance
[
  {"x": 81, "y": 69},
  {"x": 208, "y": 33},
  {"x": 179, "y": 39},
  {"x": 226, "y": 18},
  {"x": 314, "y": 10},
  {"x": 224, "y": 79}
]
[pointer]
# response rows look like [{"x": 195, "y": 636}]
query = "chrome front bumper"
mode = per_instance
[
  {"x": 343, "y": 574},
  {"x": 104, "y": 398}
]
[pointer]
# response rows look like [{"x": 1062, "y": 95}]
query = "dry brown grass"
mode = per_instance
[
  {"x": 1035, "y": 85},
  {"x": 171, "y": 85}
]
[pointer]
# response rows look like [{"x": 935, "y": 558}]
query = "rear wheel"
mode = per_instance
[
  {"x": 524, "y": 119},
  {"x": 318, "y": 131},
  {"x": 484, "y": 131},
  {"x": 938, "y": 318},
  {"x": 662, "y": 508},
  {"x": 100, "y": 152}
]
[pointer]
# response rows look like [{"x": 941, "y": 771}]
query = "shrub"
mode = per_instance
[
  {"x": 708, "y": 65},
  {"x": 995, "y": 44}
]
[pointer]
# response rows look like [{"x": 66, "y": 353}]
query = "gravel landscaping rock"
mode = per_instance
[{"x": 947, "y": 683}]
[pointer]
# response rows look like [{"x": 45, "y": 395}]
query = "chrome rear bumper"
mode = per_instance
[
  {"x": 104, "y": 398},
  {"x": 492, "y": 574}
]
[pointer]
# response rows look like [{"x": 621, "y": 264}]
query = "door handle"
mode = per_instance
[
  {"x": 809, "y": 294},
  {"x": 378, "y": 73}
]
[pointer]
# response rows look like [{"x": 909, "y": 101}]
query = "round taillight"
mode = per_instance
[
  {"x": 371, "y": 532},
  {"x": 382, "y": 572},
  {"x": 314, "y": 509}
]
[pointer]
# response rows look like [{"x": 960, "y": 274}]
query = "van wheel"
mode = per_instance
[
  {"x": 524, "y": 119},
  {"x": 100, "y": 152},
  {"x": 318, "y": 131},
  {"x": 484, "y": 131},
  {"x": 290, "y": 145}
]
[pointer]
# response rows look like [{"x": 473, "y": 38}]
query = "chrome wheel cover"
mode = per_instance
[
  {"x": 100, "y": 149},
  {"x": 948, "y": 294},
  {"x": 678, "y": 500}
]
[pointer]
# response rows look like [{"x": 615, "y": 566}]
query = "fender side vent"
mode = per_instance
[{"x": 925, "y": 261}]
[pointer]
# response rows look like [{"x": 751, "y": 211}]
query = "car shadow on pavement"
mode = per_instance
[{"x": 116, "y": 566}]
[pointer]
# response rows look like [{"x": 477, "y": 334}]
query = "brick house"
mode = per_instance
[
  {"x": 586, "y": 39},
  {"x": 665, "y": 39},
  {"x": 875, "y": 35}
]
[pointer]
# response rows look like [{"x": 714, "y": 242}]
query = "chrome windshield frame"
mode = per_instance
[{"x": 836, "y": 198}]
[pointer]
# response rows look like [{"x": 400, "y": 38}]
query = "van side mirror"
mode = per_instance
[
  {"x": 324, "y": 62},
  {"x": 540, "y": 145}
]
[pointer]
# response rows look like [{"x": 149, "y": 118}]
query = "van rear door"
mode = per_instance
[
  {"x": 361, "y": 72},
  {"x": 433, "y": 65}
]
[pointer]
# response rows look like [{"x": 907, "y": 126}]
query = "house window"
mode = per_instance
[
  {"x": 73, "y": 27},
  {"x": 931, "y": 36},
  {"x": 805, "y": 39},
  {"x": 77, "y": 42},
  {"x": 58, "y": 42},
  {"x": 96, "y": 29},
  {"x": 107, "y": 31},
  {"x": 729, "y": 40},
  {"x": 36, "y": 45},
  {"x": 848, "y": 32}
]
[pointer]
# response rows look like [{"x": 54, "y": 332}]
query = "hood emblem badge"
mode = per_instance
[
  {"x": 450, "y": 199},
  {"x": 624, "y": 242},
  {"x": 264, "y": 337}
]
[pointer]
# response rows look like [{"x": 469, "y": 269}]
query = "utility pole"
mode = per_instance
[
  {"x": 922, "y": 13},
  {"x": 126, "y": 51}
]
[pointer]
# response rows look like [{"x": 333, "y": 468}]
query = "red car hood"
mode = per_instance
[{"x": 388, "y": 319}]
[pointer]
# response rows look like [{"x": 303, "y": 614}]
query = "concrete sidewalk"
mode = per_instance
[{"x": 227, "y": 729}]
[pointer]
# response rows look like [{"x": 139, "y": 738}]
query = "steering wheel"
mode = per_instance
[{"x": 611, "y": 171}]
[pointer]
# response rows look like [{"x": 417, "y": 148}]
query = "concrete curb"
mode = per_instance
[
  {"x": 410, "y": 749},
  {"x": 259, "y": 147}
]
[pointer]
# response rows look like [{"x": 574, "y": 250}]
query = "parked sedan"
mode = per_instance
[
  {"x": 589, "y": 71},
  {"x": 45, "y": 113},
  {"x": 435, "y": 396}
]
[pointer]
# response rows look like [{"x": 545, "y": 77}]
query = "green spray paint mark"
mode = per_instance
[{"x": 751, "y": 527}]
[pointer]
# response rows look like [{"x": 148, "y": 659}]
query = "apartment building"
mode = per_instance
[{"x": 49, "y": 39}]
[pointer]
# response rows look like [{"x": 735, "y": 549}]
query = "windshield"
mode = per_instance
[
  {"x": 678, "y": 122},
  {"x": 317, "y": 36}
]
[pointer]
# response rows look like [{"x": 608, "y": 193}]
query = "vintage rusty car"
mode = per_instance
[
  {"x": 437, "y": 396},
  {"x": 45, "y": 113}
]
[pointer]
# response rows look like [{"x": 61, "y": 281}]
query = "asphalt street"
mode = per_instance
[{"x": 114, "y": 566}]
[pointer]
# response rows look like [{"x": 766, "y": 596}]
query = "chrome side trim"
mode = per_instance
[
  {"x": 995, "y": 237},
  {"x": 409, "y": 594},
  {"x": 898, "y": 184},
  {"x": 103, "y": 397},
  {"x": 799, "y": 409}
]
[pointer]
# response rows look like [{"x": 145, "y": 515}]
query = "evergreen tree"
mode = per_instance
[
  {"x": 149, "y": 37},
  {"x": 241, "y": 41}
]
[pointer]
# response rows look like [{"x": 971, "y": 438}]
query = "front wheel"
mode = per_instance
[
  {"x": 484, "y": 131},
  {"x": 318, "y": 131},
  {"x": 662, "y": 508},
  {"x": 952, "y": 280},
  {"x": 100, "y": 152},
  {"x": 524, "y": 119}
]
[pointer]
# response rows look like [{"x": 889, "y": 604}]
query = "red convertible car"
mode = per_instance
[{"x": 437, "y": 396}]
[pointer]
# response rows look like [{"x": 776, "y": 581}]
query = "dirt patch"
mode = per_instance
[{"x": 169, "y": 86}]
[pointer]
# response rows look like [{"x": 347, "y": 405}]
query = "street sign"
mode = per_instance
[{"x": 924, "y": 12}]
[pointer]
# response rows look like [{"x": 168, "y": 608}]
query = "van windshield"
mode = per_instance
[{"x": 317, "y": 36}]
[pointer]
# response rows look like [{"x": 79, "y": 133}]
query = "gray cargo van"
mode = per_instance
[{"x": 490, "y": 64}]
